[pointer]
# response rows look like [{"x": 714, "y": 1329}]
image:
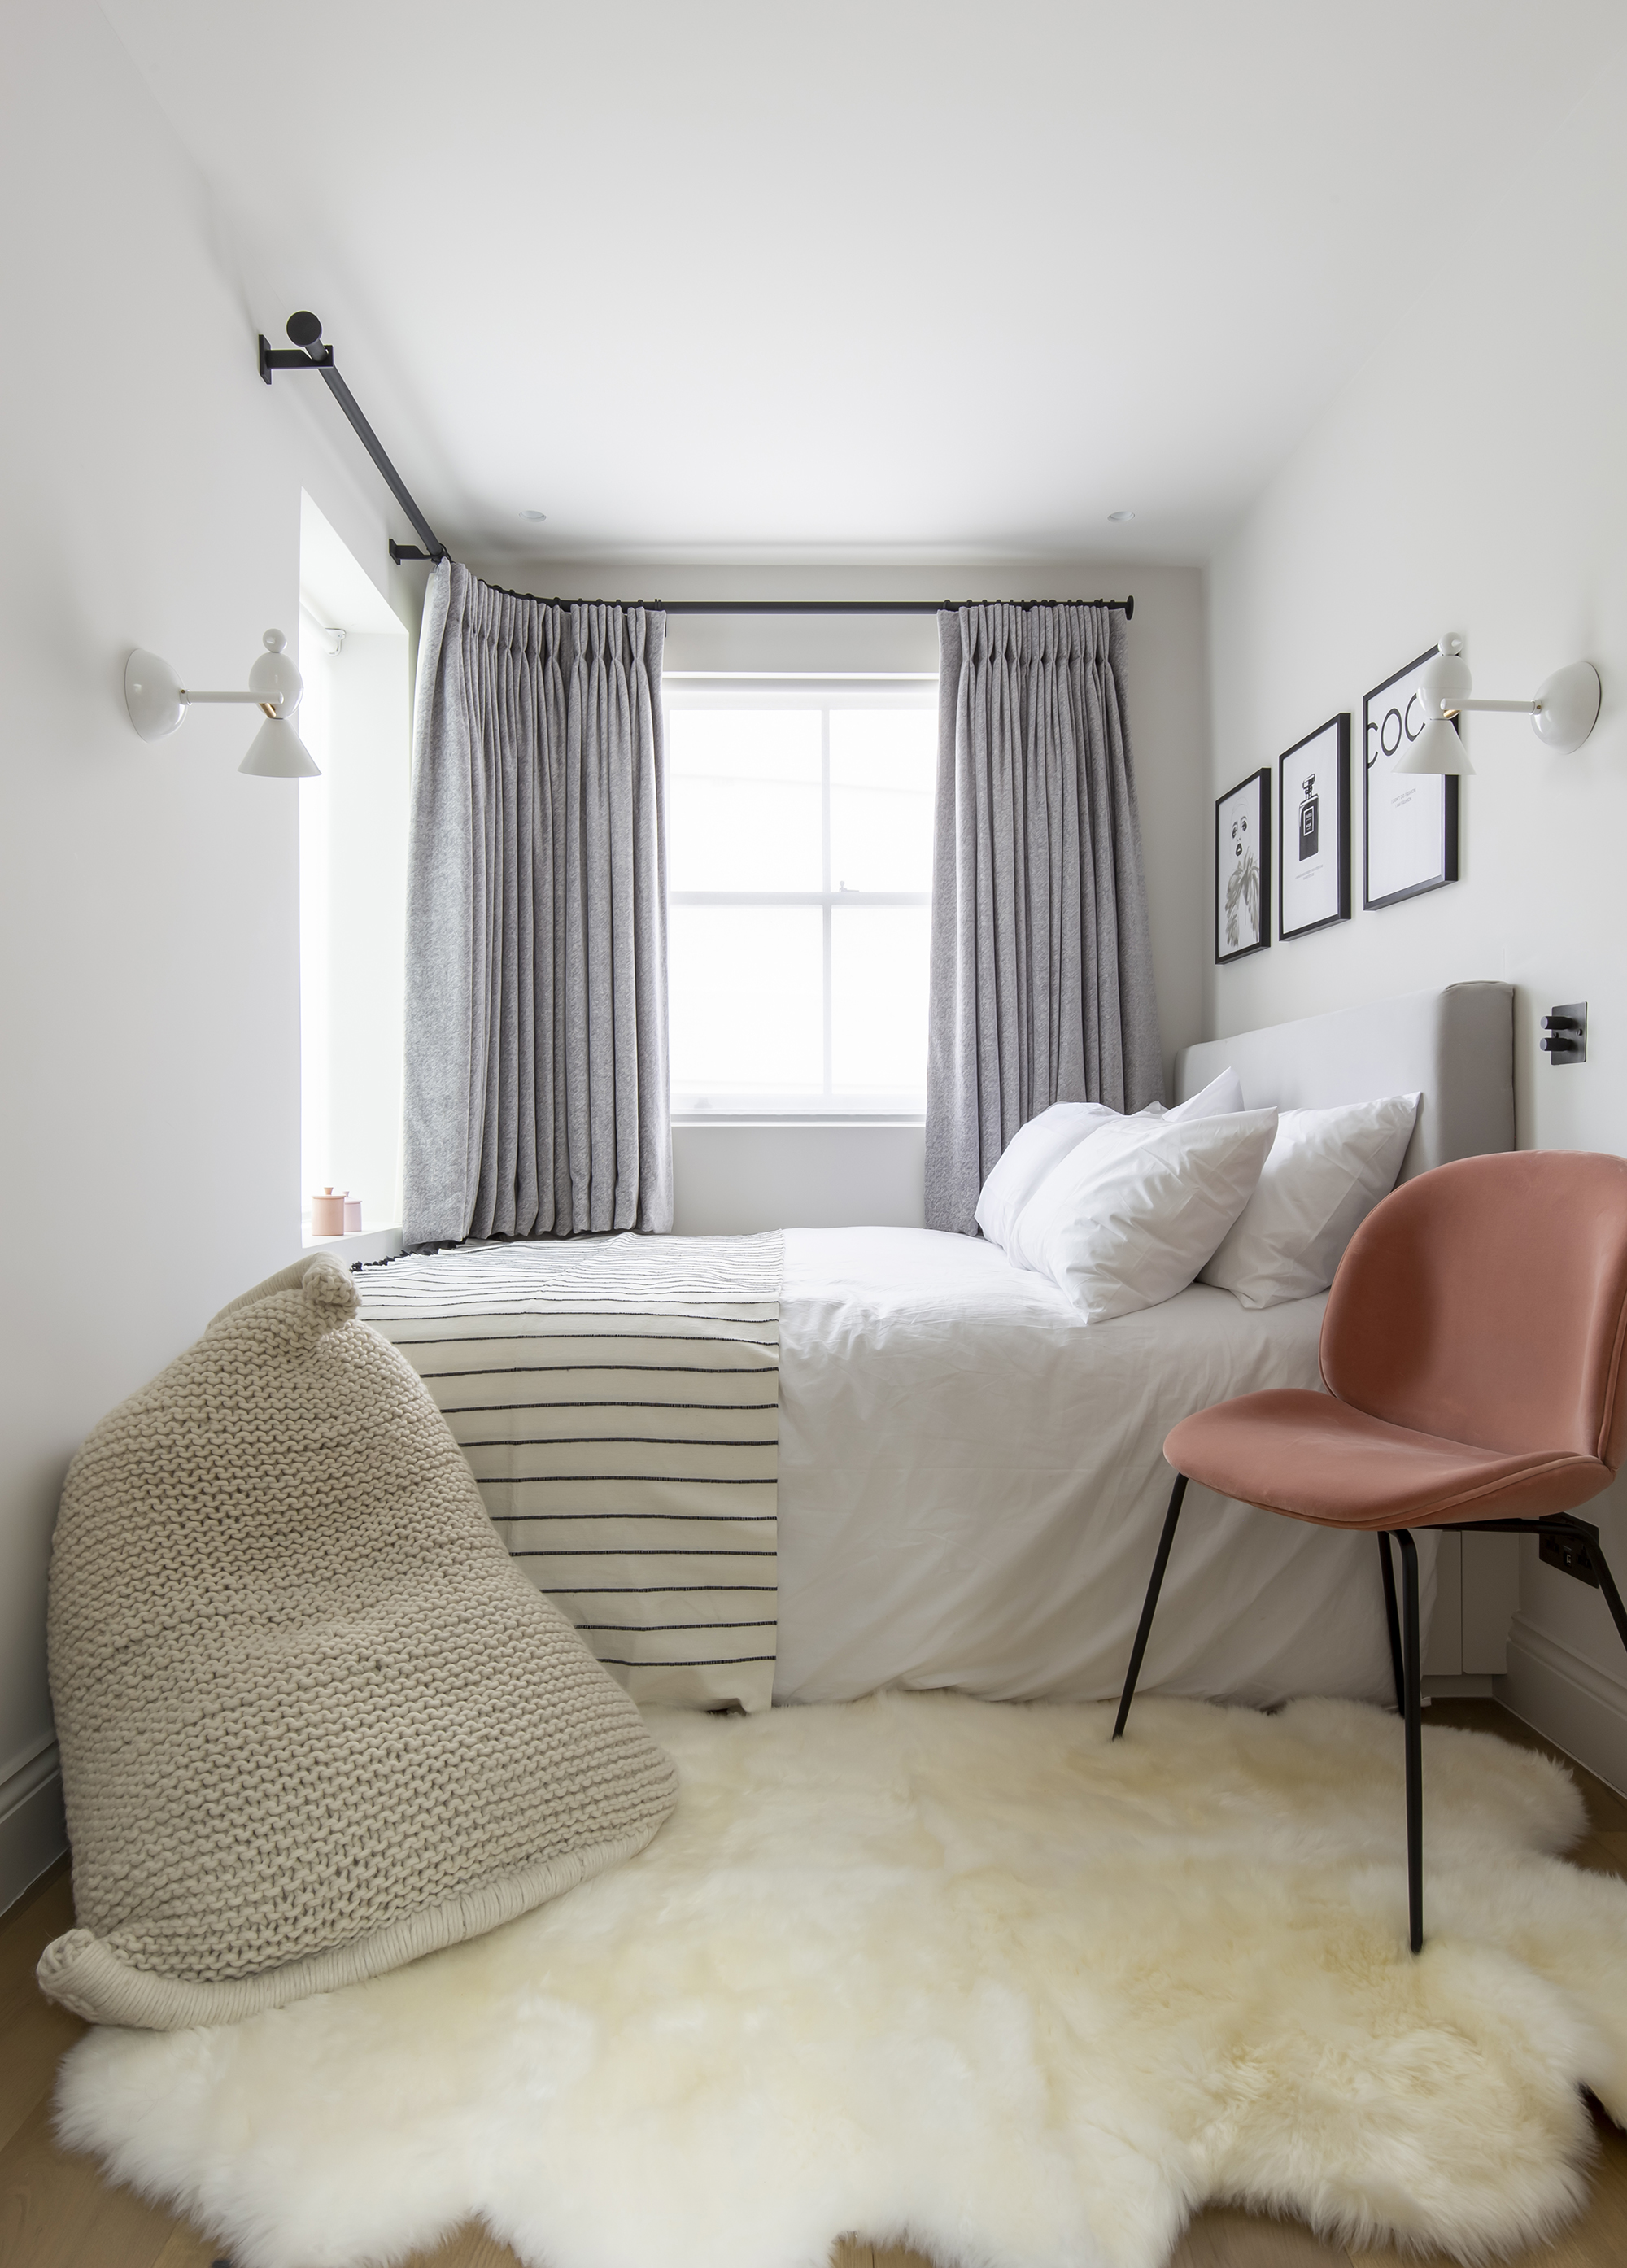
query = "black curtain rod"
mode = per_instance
[
  {"x": 1125, "y": 607},
  {"x": 305, "y": 330},
  {"x": 311, "y": 353}
]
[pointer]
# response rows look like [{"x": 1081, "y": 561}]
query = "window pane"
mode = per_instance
[
  {"x": 747, "y": 1001},
  {"x": 877, "y": 1002},
  {"x": 881, "y": 766},
  {"x": 744, "y": 799}
]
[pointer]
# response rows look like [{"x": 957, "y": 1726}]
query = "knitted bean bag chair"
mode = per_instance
[{"x": 314, "y": 1722}]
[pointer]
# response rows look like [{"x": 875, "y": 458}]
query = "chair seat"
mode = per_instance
[{"x": 1315, "y": 1458}]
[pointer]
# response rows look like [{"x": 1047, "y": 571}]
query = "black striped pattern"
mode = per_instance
[{"x": 618, "y": 1400}]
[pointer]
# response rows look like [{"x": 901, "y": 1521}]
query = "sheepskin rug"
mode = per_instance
[{"x": 956, "y": 1973}]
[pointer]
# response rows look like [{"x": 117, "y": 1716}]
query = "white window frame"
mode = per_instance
[{"x": 765, "y": 689}]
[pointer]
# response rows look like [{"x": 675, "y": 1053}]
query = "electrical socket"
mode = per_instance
[{"x": 1563, "y": 1549}]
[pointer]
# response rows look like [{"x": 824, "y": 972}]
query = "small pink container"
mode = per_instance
[
  {"x": 327, "y": 1213},
  {"x": 353, "y": 1216}
]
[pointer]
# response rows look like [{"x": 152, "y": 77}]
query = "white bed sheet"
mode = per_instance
[{"x": 971, "y": 1489}]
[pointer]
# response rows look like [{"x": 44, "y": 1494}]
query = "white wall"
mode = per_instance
[
  {"x": 763, "y": 1176},
  {"x": 1473, "y": 477},
  {"x": 149, "y": 895},
  {"x": 730, "y": 1178}
]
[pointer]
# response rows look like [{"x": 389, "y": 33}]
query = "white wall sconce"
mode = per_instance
[
  {"x": 1564, "y": 711},
  {"x": 157, "y": 701}
]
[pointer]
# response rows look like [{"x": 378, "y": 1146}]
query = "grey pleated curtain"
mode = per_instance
[
  {"x": 1042, "y": 963},
  {"x": 536, "y": 1080}
]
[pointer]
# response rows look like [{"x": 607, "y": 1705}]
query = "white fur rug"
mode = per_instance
[{"x": 948, "y": 1971}]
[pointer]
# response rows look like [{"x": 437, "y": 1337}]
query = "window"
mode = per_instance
[
  {"x": 799, "y": 853},
  {"x": 355, "y": 718}
]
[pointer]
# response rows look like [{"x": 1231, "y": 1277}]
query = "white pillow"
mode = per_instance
[
  {"x": 1326, "y": 1170},
  {"x": 1129, "y": 1218},
  {"x": 1218, "y": 1099},
  {"x": 1027, "y": 1158}
]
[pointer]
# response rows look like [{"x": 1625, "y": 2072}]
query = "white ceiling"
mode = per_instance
[{"x": 722, "y": 279}]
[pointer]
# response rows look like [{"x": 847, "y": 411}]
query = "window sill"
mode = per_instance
[{"x": 366, "y": 1244}]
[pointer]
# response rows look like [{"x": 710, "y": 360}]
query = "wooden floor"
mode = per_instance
[{"x": 57, "y": 2212}]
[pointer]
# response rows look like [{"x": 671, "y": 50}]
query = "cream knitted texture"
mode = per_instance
[{"x": 313, "y": 1721}]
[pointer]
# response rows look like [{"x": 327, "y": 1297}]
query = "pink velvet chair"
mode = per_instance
[{"x": 1472, "y": 1350}]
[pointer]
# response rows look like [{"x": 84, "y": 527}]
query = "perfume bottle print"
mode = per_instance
[{"x": 1310, "y": 822}]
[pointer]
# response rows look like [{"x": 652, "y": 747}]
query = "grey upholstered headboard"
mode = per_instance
[{"x": 1456, "y": 1045}]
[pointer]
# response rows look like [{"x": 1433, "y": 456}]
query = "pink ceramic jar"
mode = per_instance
[{"x": 327, "y": 1213}]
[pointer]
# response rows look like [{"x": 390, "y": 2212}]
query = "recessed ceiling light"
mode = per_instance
[
  {"x": 534, "y": 515},
  {"x": 1120, "y": 515}
]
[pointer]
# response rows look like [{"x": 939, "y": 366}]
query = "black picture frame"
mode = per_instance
[
  {"x": 1320, "y": 800},
  {"x": 1242, "y": 819},
  {"x": 1409, "y": 875}
]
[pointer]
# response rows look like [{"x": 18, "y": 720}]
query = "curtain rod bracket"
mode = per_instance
[{"x": 290, "y": 358}]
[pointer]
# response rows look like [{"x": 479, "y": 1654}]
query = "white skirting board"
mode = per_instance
[
  {"x": 32, "y": 1832},
  {"x": 1583, "y": 1709}
]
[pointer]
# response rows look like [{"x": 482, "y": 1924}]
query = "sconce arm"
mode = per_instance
[{"x": 157, "y": 701}]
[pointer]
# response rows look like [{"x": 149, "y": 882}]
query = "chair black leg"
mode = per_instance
[
  {"x": 1413, "y": 1715},
  {"x": 1387, "y": 1566},
  {"x": 1612, "y": 1596},
  {"x": 1151, "y": 1601}
]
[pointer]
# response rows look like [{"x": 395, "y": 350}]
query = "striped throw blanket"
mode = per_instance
[{"x": 618, "y": 1400}]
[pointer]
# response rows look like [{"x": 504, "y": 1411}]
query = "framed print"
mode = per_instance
[
  {"x": 1409, "y": 821},
  {"x": 1313, "y": 830},
  {"x": 1244, "y": 868}
]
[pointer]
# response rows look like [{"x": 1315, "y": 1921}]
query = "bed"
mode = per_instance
[{"x": 967, "y": 1487}]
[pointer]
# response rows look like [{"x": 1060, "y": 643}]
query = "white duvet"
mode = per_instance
[{"x": 971, "y": 1489}]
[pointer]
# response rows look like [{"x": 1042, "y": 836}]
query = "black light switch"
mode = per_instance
[{"x": 1565, "y": 1033}]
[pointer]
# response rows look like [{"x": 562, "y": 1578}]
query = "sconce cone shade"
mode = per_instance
[
  {"x": 1437, "y": 750},
  {"x": 277, "y": 751}
]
